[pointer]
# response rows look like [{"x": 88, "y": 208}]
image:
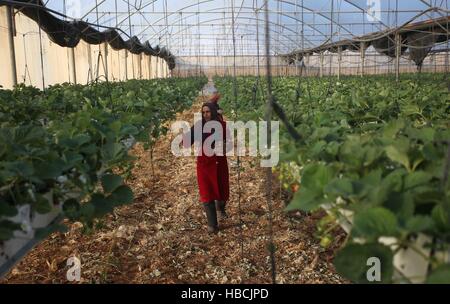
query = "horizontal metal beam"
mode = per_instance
[
  {"x": 221, "y": 24},
  {"x": 271, "y": 12}
]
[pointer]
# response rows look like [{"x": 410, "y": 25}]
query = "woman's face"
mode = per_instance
[{"x": 206, "y": 113}]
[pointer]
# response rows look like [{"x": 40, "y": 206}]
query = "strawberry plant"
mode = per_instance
[
  {"x": 374, "y": 154},
  {"x": 65, "y": 143}
]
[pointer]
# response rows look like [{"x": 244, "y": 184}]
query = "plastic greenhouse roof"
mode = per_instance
[{"x": 204, "y": 27}]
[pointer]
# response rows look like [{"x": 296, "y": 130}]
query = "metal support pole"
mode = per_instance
[
  {"x": 321, "y": 64},
  {"x": 397, "y": 56},
  {"x": 12, "y": 49},
  {"x": 157, "y": 67},
  {"x": 105, "y": 59},
  {"x": 363, "y": 58},
  {"x": 73, "y": 68},
  {"x": 149, "y": 67},
  {"x": 126, "y": 64},
  {"x": 339, "y": 61},
  {"x": 90, "y": 62},
  {"x": 257, "y": 40},
  {"x": 140, "y": 66},
  {"x": 307, "y": 65}
]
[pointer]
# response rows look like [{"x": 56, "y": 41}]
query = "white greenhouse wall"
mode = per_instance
[{"x": 56, "y": 66}]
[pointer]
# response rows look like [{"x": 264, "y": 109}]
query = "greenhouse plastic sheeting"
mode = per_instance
[{"x": 69, "y": 34}]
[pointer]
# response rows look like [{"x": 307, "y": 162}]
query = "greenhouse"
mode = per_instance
[{"x": 225, "y": 142}]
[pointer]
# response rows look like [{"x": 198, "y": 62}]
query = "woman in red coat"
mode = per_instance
[
  {"x": 222, "y": 160},
  {"x": 212, "y": 171}
]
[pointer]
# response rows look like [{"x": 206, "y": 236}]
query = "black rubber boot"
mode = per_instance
[
  {"x": 211, "y": 215},
  {"x": 220, "y": 207}
]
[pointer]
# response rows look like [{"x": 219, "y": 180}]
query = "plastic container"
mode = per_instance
[
  {"x": 408, "y": 263},
  {"x": 23, "y": 241}
]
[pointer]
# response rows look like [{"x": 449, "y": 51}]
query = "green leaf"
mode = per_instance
[
  {"x": 371, "y": 155},
  {"x": 128, "y": 130},
  {"x": 318, "y": 147},
  {"x": 411, "y": 109},
  {"x": 393, "y": 127},
  {"x": 89, "y": 149},
  {"x": 394, "y": 181},
  {"x": 397, "y": 155},
  {"x": 111, "y": 151},
  {"x": 417, "y": 178},
  {"x": 51, "y": 169},
  {"x": 110, "y": 182},
  {"x": 440, "y": 275},
  {"x": 373, "y": 178},
  {"x": 122, "y": 195},
  {"x": 7, "y": 229},
  {"x": 339, "y": 187},
  {"x": 116, "y": 126},
  {"x": 72, "y": 159},
  {"x": 316, "y": 176},
  {"x": 352, "y": 262},
  {"x": 425, "y": 134},
  {"x": 430, "y": 152},
  {"x": 71, "y": 209},
  {"x": 441, "y": 216},
  {"x": 21, "y": 168},
  {"x": 305, "y": 200},
  {"x": 6, "y": 209},
  {"x": 419, "y": 223},
  {"x": 87, "y": 211},
  {"x": 42, "y": 205},
  {"x": 375, "y": 222},
  {"x": 400, "y": 204},
  {"x": 102, "y": 205},
  {"x": 82, "y": 139}
]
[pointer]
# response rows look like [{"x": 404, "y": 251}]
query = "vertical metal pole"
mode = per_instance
[
  {"x": 90, "y": 62},
  {"x": 339, "y": 61},
  {"x": 257, "y": 39},
  {"x": 105, "y": 59},
  {"x": 242, "y": 68},
  {"x": 149, "y": 75},
  {"x": 41, "y": 51},
  {"x": 73, "y": 68},
  {"x": 157, "y": 67},
  {"x": 198, "y": 37},
  {"x": 131, "y": 34},
  {"x": 104, "y": 46},
  {"x": 268, "y": 119},
  {"x": 297, "y": 69},
  {"x": 126, "y": 64},
  {"x": 223, "y": 42},
  {"x": 330, "y": 54},
  {"x": 321, "y": 64},
  {"x": 307, "y": 65},
  {"x": 12, "y": 49},
  {"x": 140, "y": 66},
  {"x": 363, "y": 57},
  {"x": 397, "y": 56},
  {"x": 117, "y": 25}
]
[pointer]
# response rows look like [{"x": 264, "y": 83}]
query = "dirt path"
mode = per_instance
[{"x": 162, "y": 238}]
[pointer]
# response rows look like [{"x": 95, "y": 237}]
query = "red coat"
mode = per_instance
[{"x": 213, "y": 175}]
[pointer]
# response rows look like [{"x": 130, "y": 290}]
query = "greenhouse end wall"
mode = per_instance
[
  {"x": 351, "y": 64},
  {"x": 56, "y": 64}
]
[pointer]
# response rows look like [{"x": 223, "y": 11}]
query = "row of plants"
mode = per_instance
[
  {"x": 68, "y": 146},
  {"x": 374, "y": 153}
]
